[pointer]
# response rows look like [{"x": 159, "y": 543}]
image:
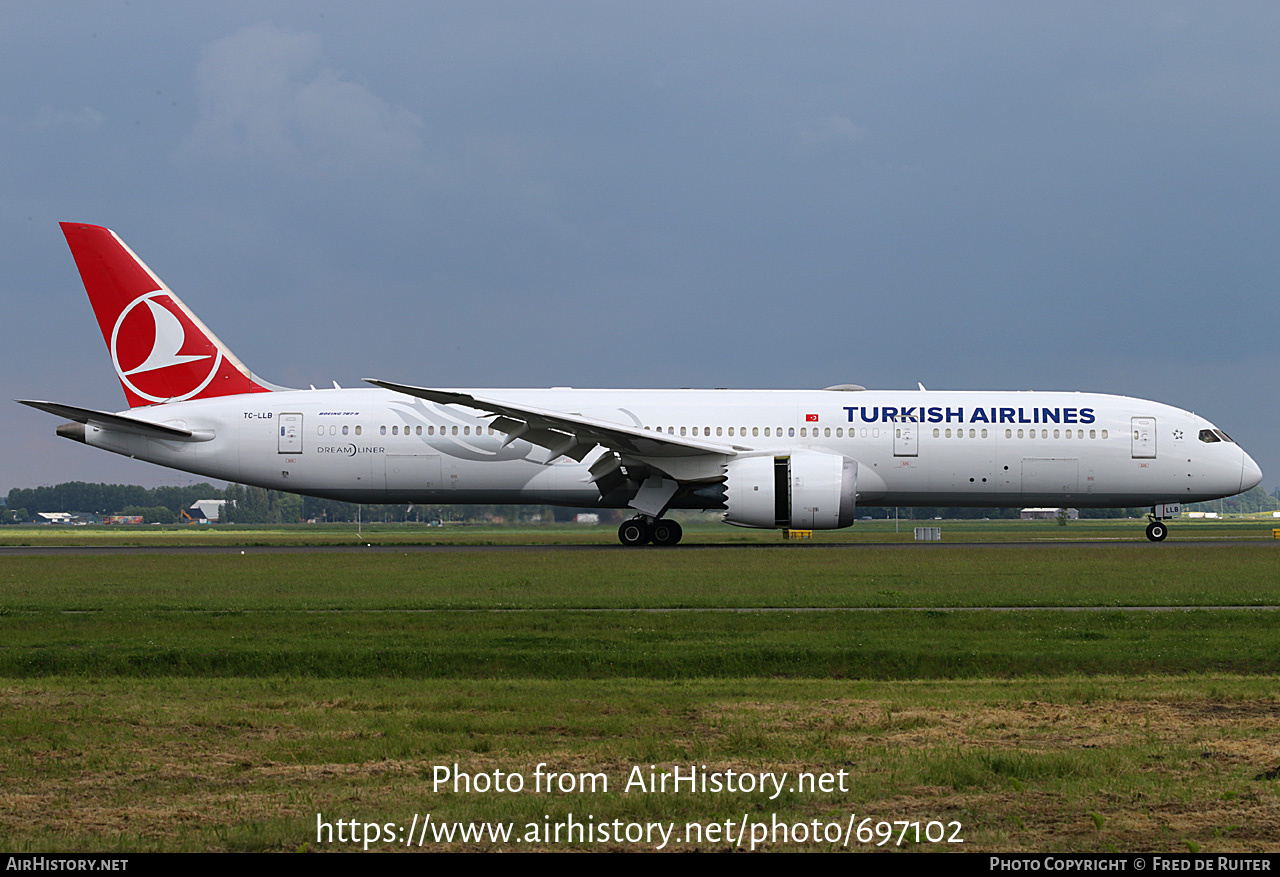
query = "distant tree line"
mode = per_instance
[
  {"x": 254, "y": 505},
  {"x": 159, "y": 504},
  {"x": 1249, "y": 502}
]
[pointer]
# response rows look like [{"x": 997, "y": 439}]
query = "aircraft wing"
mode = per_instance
[
  {"x": 118, "y": 422},
  {"x": 567, "y": 433}
]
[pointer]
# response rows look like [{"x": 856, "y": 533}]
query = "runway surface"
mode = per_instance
[{"x": 90, "y": 550}]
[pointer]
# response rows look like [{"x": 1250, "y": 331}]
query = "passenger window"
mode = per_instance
[
  {"x": 382, "y": 430},
  {"x": 790, "y": 432},
  {"x": 1104, "y": 433},
  {"x": 344, "y": 430},
  {"x": 755, "y": 430},
  {"x": 358, "y": 430},
  {"x": 455, "y": 430}
]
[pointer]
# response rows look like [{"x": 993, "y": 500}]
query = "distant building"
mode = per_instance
[
  {"x": 205, "y": 511},
  {"x": 1048, "y": 514},
  {"x": 65, "y": 518}
]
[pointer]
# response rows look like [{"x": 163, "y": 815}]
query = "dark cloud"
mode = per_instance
[{"x": 1016, "y": 195}]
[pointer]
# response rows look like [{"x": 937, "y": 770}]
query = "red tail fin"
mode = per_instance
[{"x": 161, "y": 351}]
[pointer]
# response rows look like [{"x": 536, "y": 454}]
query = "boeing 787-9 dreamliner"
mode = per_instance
[{"x": 798, "y": 459}]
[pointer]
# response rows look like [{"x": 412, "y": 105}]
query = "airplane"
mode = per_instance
[{"x": 786, "y": 459}]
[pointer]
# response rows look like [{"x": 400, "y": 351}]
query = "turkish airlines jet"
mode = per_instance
[{"x": 767, "y": 458}]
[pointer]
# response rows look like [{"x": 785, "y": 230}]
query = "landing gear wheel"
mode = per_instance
[
  {"x": 1156, "y": 531},
  {"x": 634, "y": 532},
  {"x": 666, "y": 532}
]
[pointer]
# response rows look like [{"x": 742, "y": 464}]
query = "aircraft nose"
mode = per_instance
[{"x": 1250, "y": 474}]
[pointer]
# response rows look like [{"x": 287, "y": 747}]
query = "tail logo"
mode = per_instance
[{"x": 151, "y": 372}]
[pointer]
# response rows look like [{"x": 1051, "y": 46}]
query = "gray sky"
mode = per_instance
[{"x": 977, "y": 196}]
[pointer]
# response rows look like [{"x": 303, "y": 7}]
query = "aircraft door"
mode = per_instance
[
  {"x": 906, "y": 437},
  {"x": 1144, "y": 438},
  {"x": 290, "y": 426}
]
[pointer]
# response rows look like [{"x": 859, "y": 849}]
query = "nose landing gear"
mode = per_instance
[
  {"x": 1157, "y": 529},
  {"x": 641, "y": 531}
]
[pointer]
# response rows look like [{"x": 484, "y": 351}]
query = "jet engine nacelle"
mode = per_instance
[{"x": 803, "y": 490}]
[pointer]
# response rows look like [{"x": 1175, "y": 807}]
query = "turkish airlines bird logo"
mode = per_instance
[{"x": 159, "y": 353}]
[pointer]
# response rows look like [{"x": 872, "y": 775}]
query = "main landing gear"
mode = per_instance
[{"x": 641, "y": 531}]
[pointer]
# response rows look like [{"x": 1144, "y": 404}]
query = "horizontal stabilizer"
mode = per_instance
[{"x": 118, "y": 422}]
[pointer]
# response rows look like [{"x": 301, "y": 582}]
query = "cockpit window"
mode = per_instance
[
  {"x": 1209, "y": 436},
  {"x": 1222, "y": 435}
]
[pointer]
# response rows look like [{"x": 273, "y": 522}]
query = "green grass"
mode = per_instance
[
  {"x": 613, "y": 577},
  {"x": 427, "y": 615},
  {"x": 697, "y": 645},
  {"x": 189, "y": 702}
]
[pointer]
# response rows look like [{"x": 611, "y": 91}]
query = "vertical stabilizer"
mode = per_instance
[{"x": 160, "y": 349}]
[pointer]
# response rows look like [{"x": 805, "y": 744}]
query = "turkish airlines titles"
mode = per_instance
[{"x": 939, "y": 414}]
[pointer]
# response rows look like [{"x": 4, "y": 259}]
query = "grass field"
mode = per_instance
[{"x": 184, "y": 701}]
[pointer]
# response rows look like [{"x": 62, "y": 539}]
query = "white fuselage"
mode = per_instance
[{"x": 912, "y": 447}]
